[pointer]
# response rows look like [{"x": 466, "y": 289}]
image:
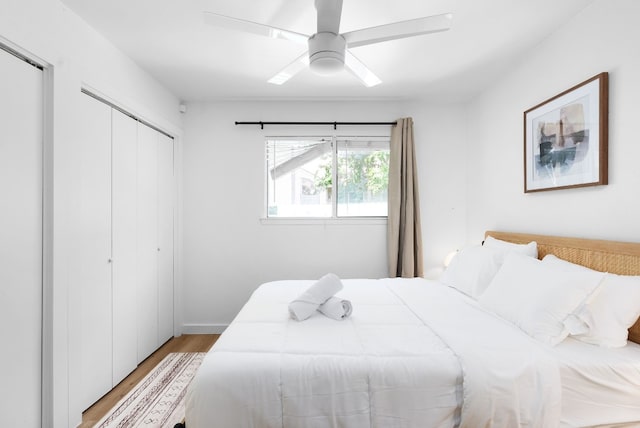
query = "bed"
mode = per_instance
[{"x": 420, "y": 353}]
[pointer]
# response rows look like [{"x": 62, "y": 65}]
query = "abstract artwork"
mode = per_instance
[{"x": 565, "y": 138}]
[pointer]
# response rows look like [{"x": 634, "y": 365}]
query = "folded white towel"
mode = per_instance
[
  {"x": 336, "y": 308},
  {"x": 306, "y": 304}
]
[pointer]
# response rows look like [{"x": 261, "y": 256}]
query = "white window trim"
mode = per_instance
[{"x": 322, "y": 221}]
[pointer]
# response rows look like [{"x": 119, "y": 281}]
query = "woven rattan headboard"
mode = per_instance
[{"x": 622, "y": 258}]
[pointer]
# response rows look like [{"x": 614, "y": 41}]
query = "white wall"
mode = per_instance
[
  {"x": 76, "y": 56},
  {"x": 603, "y": 37},
  {"x": 228, "y": 252}
]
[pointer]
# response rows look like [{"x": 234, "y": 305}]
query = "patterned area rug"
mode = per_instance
[{"x": 158, "y": 400}]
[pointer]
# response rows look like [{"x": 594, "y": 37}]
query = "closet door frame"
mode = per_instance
[{"x": 49, "y": 314}]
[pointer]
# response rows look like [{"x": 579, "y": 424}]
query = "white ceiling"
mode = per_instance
[{"x": 195, "y": 61}]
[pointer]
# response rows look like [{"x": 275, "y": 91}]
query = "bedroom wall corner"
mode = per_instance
[
  {"x": 602, "y": 37},
  {"x": 442, "y": 169}
]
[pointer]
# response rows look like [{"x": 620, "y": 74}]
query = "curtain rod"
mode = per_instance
[{"x": 335, "y": 124}]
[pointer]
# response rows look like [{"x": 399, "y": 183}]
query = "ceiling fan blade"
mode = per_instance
[
  {"x": 291, "y": 70},
  {"x": 253, "y": 27},
  {"x": 329, "y": 12},
  {"x": 398, "y": 30},
  {"x": 358, "y": 69}
]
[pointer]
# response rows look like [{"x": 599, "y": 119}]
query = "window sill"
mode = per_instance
[{"x": 344, "y": 221}]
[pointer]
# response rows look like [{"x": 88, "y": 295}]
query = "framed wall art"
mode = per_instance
[{"x": 565, "y": 138}]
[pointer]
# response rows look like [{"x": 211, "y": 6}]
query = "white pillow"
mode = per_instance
[
  {"x": 611, "y": 311},
  {"x": 537, "y": 297},
  {"x": 530, "y": 249},
  {"x": 472, "y": 269}
]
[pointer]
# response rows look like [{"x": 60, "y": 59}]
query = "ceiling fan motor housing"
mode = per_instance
[{"x": 326, "y": 53}]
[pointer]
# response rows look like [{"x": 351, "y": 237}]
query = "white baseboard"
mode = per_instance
[{"x": 203, "y": 328}]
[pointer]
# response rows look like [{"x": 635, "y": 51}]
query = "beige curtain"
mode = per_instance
[{"x": 404, "y": 235}]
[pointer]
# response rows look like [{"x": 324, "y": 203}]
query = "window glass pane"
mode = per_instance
[
  {"x": 299, "y": 175},
  {"x": 363, "y": 177}
]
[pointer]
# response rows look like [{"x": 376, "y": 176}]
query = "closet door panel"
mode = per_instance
[
  {"x": 165, "y": 237},
  {"x": 94, "y": 252},
  {"x": 21, "y": 238},
  {"x": 147, "y": 290},
  {"x": 124, "y": 237}
]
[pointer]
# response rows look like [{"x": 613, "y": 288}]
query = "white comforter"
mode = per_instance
[{"x": 414, "y": 353}]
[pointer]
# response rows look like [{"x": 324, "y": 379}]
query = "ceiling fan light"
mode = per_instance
[{"x": 326, "y": 64}]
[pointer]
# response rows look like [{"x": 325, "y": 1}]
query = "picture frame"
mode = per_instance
[{"x": 566, "y": 138}]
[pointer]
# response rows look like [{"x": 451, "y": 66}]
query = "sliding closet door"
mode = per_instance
[
  {"x": 124, "y": 237},
  {"x": 21, "y": 241},
  {"x": 147, "y": 290},
  {"x": 165, "y": 238},
  {"x": 94, "y": 253}
]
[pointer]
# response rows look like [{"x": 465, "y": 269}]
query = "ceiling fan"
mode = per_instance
[{"x": 328, "y": 49}]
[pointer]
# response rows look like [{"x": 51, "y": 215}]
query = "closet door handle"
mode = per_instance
[
  {"x": 109, "y": 261},
  {"x": 158, "y": 249}
]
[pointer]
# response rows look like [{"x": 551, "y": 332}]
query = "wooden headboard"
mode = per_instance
[{"x": 622, "y": 258}]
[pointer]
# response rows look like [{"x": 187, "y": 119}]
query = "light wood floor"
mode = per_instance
[{"x": 184, "y": 343}]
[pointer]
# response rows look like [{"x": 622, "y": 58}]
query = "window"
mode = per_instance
[{"x": 327, "y": 177}]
